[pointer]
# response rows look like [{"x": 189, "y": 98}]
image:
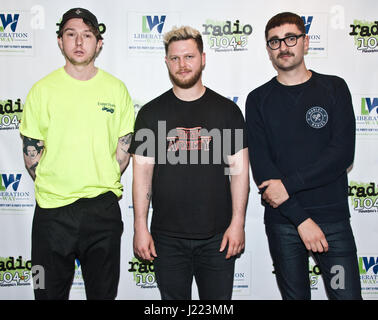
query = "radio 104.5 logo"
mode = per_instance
[
  {"x": 363, "y": 197},
  {"x": 15, "y": 272},
  {"x": 365, "y": 35},
  {"x": 143, "y": 273},
  {"x": 223, "y": 36},
  {"x": 10, "y": 114}
]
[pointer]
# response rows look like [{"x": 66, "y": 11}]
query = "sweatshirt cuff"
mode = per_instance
[{"x": 294, "y": 212}]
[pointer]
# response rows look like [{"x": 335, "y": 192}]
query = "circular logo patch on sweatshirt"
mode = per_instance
[{"x": 317, "y": 117}]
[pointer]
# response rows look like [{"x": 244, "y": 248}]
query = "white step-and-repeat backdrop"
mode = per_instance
[{"x": 343, "y": 41}]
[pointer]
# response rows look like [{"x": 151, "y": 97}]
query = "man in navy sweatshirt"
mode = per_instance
[{"x": 301, "y": 135}]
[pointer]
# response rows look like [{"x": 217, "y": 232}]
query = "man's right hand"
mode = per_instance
[
  {"x": 144, "y": 246},
  {"x": 312, "y": 236}
]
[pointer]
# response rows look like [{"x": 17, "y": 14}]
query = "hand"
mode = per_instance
[
  {"x": 275, "y": 193},
  {"x": 235, "y": 238},
  {"x": 144, "y": 246},
  {"x": 312, "y": 236}
]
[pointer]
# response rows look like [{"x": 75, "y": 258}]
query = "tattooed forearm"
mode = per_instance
[
  {"x": 122, "y": 153},
  {"x": 126, "y": 140},
  {"x": 32, "y": 149},
  {"x": 124, "y": 143},
  {"x": 149, "y": 194},
  {"x": 34, "y": 166}
]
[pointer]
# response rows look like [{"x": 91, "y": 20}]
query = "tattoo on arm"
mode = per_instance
[
  {"x": 34, "y": 167},
  {"x": 125, "y": 142},
  {"x": 126, "y": 139},
  {"x": 122, "y": 154},
  {"x": 149, "y": 194},
  {"x": 32, "y": 149}
]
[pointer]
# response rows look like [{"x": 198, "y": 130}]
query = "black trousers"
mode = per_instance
[
  {"x": 180, "y": 260},
  {"x": 88, "y": 230}
]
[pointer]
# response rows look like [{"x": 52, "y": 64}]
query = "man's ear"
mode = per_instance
[
  {"x": 60, "y": 43},
  {"x": 203, "y": 57},
  {"x": 99, "y": 46}
]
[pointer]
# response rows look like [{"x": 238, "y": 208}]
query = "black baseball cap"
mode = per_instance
[{"x": 83, "y": 14}]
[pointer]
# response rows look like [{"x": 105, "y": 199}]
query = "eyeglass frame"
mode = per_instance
[{"x": 284, "y": 40}]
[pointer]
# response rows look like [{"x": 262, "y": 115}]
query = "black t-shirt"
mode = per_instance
[{"x": 190, "y": 142}]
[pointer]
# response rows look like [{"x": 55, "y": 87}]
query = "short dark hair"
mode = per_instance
[
  {"x": 88, "y": 18},
  {"x": 93, "y": 29},
  {"x": 183, "y": 33},
  {"x": 285, "y": 18}
]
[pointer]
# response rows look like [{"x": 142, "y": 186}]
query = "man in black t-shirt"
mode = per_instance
[
  {"x": 190, "y": 157},
  {"x": 301, "y": 133}
]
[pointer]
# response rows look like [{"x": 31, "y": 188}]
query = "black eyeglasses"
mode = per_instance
[{"x": 290, "y": 41}]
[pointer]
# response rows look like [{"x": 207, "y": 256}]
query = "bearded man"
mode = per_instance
[{"x": 196, "y": 173}]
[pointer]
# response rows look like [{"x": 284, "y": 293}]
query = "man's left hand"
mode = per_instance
[
  {"x": 235, "y": 238},
  {"x": 275, "y": 193}
]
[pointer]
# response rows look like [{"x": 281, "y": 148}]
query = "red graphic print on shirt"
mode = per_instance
[{"x": 189, "y": 139}]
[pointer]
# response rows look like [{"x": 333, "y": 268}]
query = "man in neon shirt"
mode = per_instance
[{"x": 86, "y": 114}]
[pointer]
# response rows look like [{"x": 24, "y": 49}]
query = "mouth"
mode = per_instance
[
  {"x": 79, "y": 53},
  {"x": 183, "y": 72}
]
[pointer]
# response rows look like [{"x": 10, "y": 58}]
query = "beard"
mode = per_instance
[{"x": 188, "y": 83}]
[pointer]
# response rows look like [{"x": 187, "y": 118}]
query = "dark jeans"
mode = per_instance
[
  {"x": 339, "y": 266},
  {"x": 178, "y": 260},
  {"x": 89, "y": 230}
]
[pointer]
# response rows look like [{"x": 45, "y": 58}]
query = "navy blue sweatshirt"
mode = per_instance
[{"x": 305, "y": 136}]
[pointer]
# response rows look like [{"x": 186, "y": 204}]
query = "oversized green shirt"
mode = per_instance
[{"x": 80, "y": 123}]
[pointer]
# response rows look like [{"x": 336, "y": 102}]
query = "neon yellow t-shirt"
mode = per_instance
[{"x": 80, "y": 123}]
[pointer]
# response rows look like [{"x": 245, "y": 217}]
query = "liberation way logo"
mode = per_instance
[
  {"x": 316, "y": 30},
  {"x": 11, "y": 197},
  {"x": 366, "y": 111},
  {"x": 16, "y": 34},
  {"x": 146, "y": 30},
  {"x": 368, "y": 265}
]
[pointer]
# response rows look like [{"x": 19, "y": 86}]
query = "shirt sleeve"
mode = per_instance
[
  {"x": 143, "y": 141},
  {"x": 30, "y": 120},
  {"x": 127, "y": 113},
  {"x": 261, "y": 159},
  {"x": 338, "y": 155},
  {"x": 238, "y": 129}
]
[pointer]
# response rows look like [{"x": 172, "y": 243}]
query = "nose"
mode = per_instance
[
  {"x": 79, "y": 40},
  {"x": 283, "y": 45},
  {"x": 181, "y": 62}
]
